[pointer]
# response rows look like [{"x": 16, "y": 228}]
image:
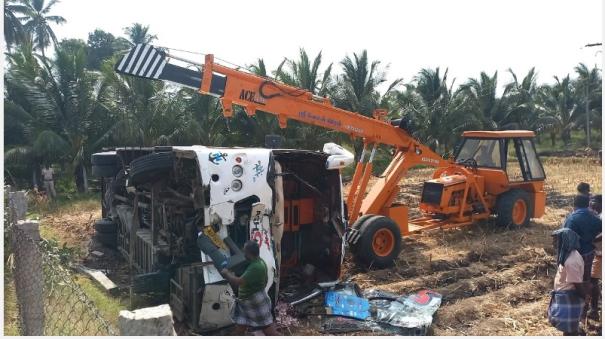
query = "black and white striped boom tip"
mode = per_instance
[
  {"x": 144, "y": 61},
  {"x": 147, "y": 61}
]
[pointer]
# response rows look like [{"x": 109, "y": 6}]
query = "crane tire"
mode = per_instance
[{"x": 380, "y": 242}]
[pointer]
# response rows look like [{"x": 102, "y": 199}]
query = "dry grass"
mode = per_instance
[{"x": 494, "y": 281}]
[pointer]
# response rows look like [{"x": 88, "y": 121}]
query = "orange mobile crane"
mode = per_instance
[{"x": 480, "y": 181}]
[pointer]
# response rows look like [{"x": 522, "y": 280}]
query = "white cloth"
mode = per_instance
[
  {"x": 47, "y": 174},
  {"x": 571, "y": 273}
]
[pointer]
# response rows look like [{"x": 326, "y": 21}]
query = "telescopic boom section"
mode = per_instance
[{"x": 252, "y": 93}]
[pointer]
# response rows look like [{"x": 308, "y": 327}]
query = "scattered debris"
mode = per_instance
[
  {"x": 344, "y": 308},
  {"x": 100, "y": 278},
  {"x": 147, "y": 321},
  {"x": 344, "y": 304}
]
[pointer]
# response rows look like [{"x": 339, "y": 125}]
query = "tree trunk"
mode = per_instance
[
  {"x": 566, "y": 137},
  {"x": 358, "y": 147},
  {"x": 553, "y": 139},
  {"x": 35, "y": 179},
  {"x": 587, "y": 109},
  {"x": 79, "y": 178},
  {"x": 85, "y": 177}
]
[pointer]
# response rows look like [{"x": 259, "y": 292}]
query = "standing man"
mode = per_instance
[
  {"x": 570, "y": 289},
  {"x": 587, "y": 225},
  {"x": 49, "y": 183},
  {"x": 583, "y": 188},
  {"x": 253, "y": 305}
]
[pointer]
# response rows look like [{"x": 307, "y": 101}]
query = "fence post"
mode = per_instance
[
  {"x": 17, "y": 202},
  {"x": 29, "y": 276}
]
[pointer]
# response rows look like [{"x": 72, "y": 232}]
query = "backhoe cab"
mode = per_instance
[{"x": 495, "y": 173}]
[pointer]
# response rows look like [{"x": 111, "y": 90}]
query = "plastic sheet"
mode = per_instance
[
  {"x": 344, "y": 304},
  {"x": 414, "y": 311}
]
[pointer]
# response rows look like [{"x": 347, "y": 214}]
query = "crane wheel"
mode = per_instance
[
  {"x": 379, "y": 243},
  {"x": 513, "y": 208}
]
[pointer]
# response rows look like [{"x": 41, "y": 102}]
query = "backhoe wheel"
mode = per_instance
[
  {"x": 513, "y": 208},
  {"x": 150, "y": 167},
  {"x": 380, "y": 242}
]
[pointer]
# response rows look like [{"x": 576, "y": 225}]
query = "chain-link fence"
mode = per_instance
[{"x": 48, "y": 298}]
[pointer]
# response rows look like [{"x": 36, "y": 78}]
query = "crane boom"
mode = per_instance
[{"x": 252, "y": 92}]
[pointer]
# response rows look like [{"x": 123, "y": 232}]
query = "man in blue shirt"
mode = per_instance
[{"x": 587, "y": 225}]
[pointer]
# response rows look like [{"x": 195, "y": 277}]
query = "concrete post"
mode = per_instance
[
  {"x": 147, "y": 321},
  {"x": 17, "y": 203},
  {"x": 29, "y": 276}
]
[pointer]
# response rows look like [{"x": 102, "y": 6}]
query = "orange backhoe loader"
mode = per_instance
[{"x": 493, "y": 173}]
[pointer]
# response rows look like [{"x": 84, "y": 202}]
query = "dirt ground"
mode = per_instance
[{"x": 493, "y": 281}]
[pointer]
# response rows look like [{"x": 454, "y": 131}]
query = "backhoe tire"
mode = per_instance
[
  {"x": 105, "y": 171},
  {"x": 105, "y": 158},
  {"x": 513, "y": 208},
  {"x": 106, "y": 226},
  {"x": 150, "y": 167},
  {"x": 380, "y": 242}
]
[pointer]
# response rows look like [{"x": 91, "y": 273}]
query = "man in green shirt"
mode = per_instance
[{"x": 253, "y": 305}]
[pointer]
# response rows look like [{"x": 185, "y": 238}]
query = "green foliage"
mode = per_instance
[
  {"x": 37, "y": 22},
  {"x": 139, "y": 34},
  {"x": 64, "y": 253},
  {"x": 14, "y": 33}
]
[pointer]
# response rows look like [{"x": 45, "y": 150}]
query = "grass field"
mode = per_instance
[{"x": 494, "y": 281}]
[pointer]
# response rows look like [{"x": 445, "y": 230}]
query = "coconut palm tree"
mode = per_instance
[
  {"x": 37, "y": 22},
  {"x": 357, "y": 88},
  {"x": 305, "y": 74},
  {"x": 139, "y": 34},
  {"x": 482, "y": 101},
  {"x": 589, "y": 89},
  {"x": 259, "y": 68},
  {"x": 558, "y": 109},
  {"x": 199, "y": 120},
  {"x": 519, "y": 99},
  {"x": 31, "y": 136},
  {"x": 14, "y": 33},
  {"x": 433, "y": 109},
  {"x": 358, "y": 85}
]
